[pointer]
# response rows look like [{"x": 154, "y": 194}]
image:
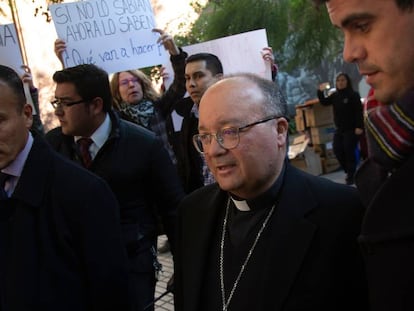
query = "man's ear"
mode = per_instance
[
  {"x": 96, "y": 105},
  {"x": 219, "y": 76},
  {"x": 28, "y": 115},
  {"x": 282, "y": 128},
  {"x": 282, "y": 125}
]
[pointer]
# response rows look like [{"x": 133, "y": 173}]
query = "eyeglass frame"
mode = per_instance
[
  {"x": 57, "y": 103},
  {"x": 218, "y": 135},
  {"x": 127, "y": 81}
]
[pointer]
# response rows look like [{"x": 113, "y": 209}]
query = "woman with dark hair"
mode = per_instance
[{"x": 349, "y": 123}]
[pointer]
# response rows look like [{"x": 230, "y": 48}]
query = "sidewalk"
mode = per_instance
[{"x": 166, "y": 303}]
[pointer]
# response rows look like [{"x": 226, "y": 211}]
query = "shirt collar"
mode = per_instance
[
  {"x": 194, "y": 110},
  {"x": 101, "y": 134},
  {"x": 16, "y": 167},
  {"x": 266, "y": 199}
]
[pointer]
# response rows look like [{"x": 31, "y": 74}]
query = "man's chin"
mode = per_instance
[
  {"x": 66, "y": 131},
  {"x": 196, "y": 100}
]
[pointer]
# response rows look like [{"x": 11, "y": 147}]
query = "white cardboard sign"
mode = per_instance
[
  {"x": 10, "y": 54},
  {"x": 115, "y": 35},
  {"x": 237, "y": 53}
]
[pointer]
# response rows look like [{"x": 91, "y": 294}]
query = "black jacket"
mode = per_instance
[
  {"x": 312, "y": 263},
  {"x": 61, "y": 249},
  {"x": 387, "y": 237},
  {"x": 189, "y": 162},
  {"x": 347, "y": 109},
  {"x": 141, "y": 175}
]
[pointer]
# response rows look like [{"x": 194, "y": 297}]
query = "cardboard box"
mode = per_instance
[
  {"x": 317, "y": 115},
  {"x": 297, "y": 145},
  {"x": 300, "y": 120},
  {"x": 308, "y": 161},
  {"x": 329, "y": 165},
  {"x": 322, "y": 134},
  {"x": 324, "y": 150},
  {"x": 303, "y": 157}
]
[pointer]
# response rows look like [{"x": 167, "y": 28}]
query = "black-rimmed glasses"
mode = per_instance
[
  {"x": 227, "y": 138},
  {"x": 58, "y": 103}
]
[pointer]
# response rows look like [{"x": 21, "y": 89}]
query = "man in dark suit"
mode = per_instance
[
  {"x": 130, "y": 158},
  {"x": 60, "y": 237},
  {"x": 267, "y": 236}
]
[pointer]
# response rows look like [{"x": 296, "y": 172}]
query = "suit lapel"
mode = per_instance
[
  {"x": 290, "y": 239},
  {"x": 197, "y": 240},
  {"x": 26, "y": 191}
]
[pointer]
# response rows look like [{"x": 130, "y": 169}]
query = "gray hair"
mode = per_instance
[{"x": 274, "y": 102}]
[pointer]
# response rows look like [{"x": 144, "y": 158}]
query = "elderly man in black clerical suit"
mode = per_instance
[
  {"x": 266, "y": 236},
  {"x": 60, "y": 238}
]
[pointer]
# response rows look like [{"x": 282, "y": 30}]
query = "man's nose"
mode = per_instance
[
  {"x": 354, "y": 49},
  {"x": 215, "y": 148}
]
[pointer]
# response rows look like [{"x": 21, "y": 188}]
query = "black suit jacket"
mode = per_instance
[
  {"x": 189, "y": 162},
  {"x": 141, "y": 175},
  {"x": 313, "y": 262},
  {"x": 61, "y": 246},
  {"x": 387, "y": 238}
]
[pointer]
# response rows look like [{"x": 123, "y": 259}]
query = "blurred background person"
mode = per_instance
[
  {"x": 349, "y": 122},
  {"x": 34, "y": 94}
]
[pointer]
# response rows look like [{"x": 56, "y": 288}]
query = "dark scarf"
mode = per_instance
[{"x": 140, "y": 113}]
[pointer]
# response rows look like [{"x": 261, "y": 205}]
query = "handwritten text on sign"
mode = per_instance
[
  {"x": 115, "y": 35},
  {"x": 9, "y": 48}
]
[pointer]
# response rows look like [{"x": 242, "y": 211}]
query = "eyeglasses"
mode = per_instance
[
  {"x": 125, "y": 82},
  {"x": 228, "y": 138},
  {"x": 58, "y": 103}
]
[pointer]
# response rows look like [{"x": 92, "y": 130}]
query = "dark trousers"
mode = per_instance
[
  {"x": 142, "y": 287},
  {"x": 344, "y": 146}
]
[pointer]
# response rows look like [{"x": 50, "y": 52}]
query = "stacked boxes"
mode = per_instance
[
  {"x": 304, "y": 157},
  {"x": 322, "y": 134},
  {"x": 300, "y": 120},
  {"x": 329, "y": 162},
  {"x": 316, "y": 121}
]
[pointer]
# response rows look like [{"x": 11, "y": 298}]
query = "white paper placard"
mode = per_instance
[{"x": 115, "y": 35}]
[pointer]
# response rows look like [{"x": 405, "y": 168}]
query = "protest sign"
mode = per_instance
[
  {"x": 237, "y": 53},
  {"x": 10, "y": 54},
  {"x": 115, "y": 35}
]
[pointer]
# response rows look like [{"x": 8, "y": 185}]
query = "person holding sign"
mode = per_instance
[
  {"x": 34, "y": 94},
  {"x": 136, "y": 99},
  {"x": 201, "y": 71},
  {"x": 134, "y": 96},
  {"x": 130, "y": 158}
]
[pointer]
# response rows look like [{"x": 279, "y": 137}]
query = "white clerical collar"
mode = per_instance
[{"x": 241, "y": 205}]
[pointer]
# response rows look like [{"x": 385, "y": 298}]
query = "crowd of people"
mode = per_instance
[{"x": 81, "y": 205}]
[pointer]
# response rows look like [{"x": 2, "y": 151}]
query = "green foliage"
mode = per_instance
[
  {"x": 313, "y": 37},
  {"x": 298, "y": 32}
]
